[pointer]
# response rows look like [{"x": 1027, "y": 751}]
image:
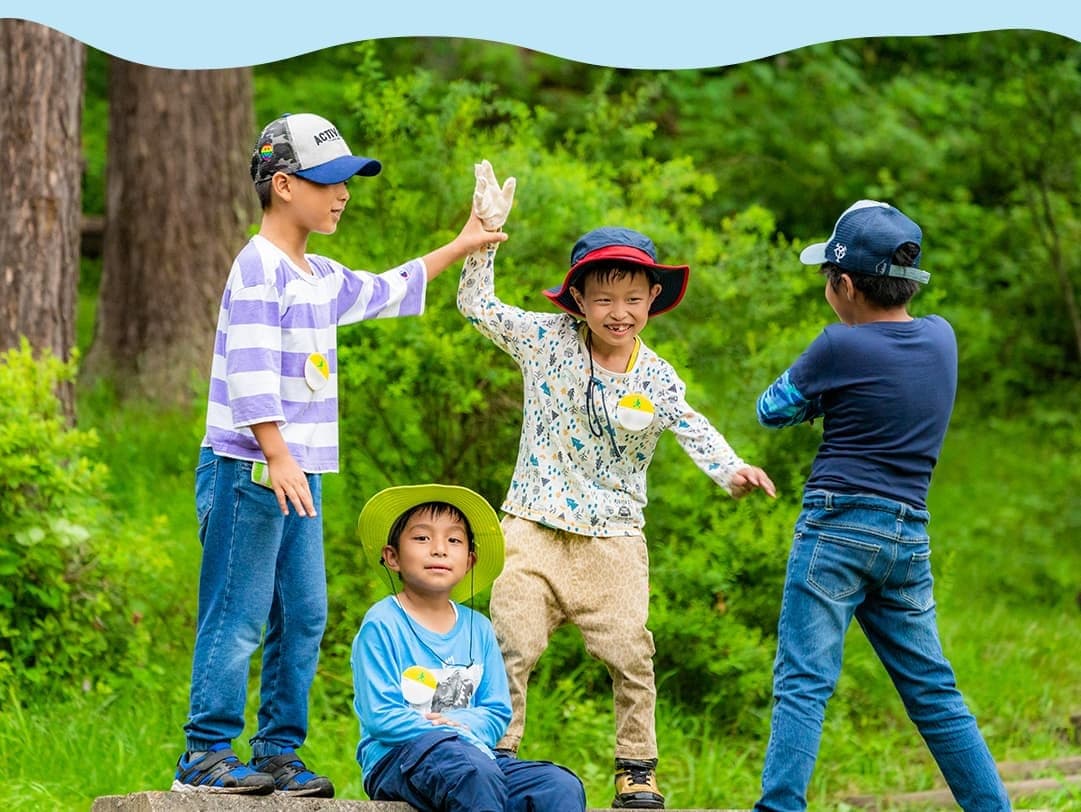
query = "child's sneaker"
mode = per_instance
[
  {"x": 636, "y": 785},
  {"x": 290, "y": 775},
  {"x": 219, "y": 770}
]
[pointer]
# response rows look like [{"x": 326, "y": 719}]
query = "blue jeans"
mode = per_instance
[
  {"x": 260, "y": 569},
  {"x": 868, "y": 557},
  {"x": 440, "y": 772}
]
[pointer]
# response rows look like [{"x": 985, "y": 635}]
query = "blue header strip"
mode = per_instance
[{"x": 664, "y": 34}]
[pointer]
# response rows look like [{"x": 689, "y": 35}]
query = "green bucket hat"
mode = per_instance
[{"x": 382, "y": 511}]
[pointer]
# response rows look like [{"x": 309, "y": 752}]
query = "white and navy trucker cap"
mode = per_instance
[{"x": 307, "y": 145}]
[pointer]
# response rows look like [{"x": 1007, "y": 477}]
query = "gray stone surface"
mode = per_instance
[
  {"x": 206, "y": 802},
  {"x": 213, "y": 802}
]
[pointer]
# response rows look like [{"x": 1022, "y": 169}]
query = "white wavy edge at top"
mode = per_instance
[{"x": 670, "y": 34}]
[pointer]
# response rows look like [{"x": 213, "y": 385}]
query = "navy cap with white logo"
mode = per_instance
[
  {"x": 865, "y": 239},
  {"x": 309, "y": 146}
]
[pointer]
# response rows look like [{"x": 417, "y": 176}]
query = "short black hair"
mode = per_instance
[
  {"x": 607, "y": 271},
  {"x": 434, "y": 509},
  {"x": 880, "y": 291},
  {"x": 262, "y": 191}
]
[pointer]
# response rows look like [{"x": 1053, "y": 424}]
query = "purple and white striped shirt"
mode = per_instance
[{"x": 275, "y": 350}]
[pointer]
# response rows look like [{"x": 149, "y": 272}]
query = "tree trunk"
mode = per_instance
[
  {"x": 41, "y": 102},
  {"x": 178, "y": 202}
]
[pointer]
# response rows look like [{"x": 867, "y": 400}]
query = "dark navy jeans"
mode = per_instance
[
  {"x": 440, "y": 772},
  {"x": 260, "y": 569},
  {"x": 866, "y": 557}
]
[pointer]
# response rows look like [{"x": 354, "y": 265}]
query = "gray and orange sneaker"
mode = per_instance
[{"x": 636, "y": 785}]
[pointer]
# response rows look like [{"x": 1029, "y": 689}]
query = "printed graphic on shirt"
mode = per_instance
[{"x": 433, "y": 690}]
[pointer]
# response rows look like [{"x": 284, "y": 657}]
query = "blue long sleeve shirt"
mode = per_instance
[
  {"x": 885, "y": 391},
  {"x": 402, "y": 671}
]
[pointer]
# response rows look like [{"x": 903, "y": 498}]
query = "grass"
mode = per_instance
[{"x": 1007, "y": 564}]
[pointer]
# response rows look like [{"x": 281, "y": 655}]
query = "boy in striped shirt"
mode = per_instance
[{"x": 271, "y": 432}]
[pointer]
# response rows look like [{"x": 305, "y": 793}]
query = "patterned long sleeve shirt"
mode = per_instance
[
  {"x": 567, "y": 477},
  {"x": 275, "y": 349}
]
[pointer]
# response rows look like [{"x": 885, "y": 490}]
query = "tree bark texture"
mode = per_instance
[
  {"x": 179, "y": 200},
  {"x": 41, "y": 99}
]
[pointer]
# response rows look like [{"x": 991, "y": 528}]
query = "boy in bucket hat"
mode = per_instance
[
  {"x": 884, "y": 384},
  {"x": 271, "y": 432},
  {"x": 430, "y": 688},
  {"x": 596, "y": 402}
]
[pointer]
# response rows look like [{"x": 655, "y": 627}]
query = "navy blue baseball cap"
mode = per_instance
[
  {"x": 864, "y": 240},
  {"x": 618, "y": 245},
  {"x": 310, "y": 147}
]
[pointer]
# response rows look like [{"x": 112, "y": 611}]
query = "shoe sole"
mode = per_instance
[
  {"x": 637, "y": 803},
  {"x": 261, "y": 789}
]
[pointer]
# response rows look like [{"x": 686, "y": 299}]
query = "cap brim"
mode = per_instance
[
  {"x": 382, "y": 511},
  {"x": 813, "y": 254},
  {"x": 341, "y": 169},
  {"x": 672, "y": 278}
]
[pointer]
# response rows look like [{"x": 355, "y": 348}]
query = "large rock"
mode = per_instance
[
  {"x": 213, "y": 802},
  {"x": 206, "y": 802}
]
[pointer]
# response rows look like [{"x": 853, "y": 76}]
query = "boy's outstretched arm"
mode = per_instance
[{"x": 472, "y": 237}]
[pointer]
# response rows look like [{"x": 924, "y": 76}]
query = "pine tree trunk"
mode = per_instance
[
  {"x": 178, "y": 202},
  {"x": 41, "y": 88}
]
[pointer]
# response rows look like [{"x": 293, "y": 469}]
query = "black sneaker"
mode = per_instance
[
  {"x": 636, "y": 785},
  {"x": 290, "y": 775},
  {"x": 219, "y": 770}
]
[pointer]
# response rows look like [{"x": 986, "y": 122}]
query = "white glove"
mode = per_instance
[{"x": 491, "y": 203}]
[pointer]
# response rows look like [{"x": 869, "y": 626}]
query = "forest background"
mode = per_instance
[{"x": 730, "y": 169}]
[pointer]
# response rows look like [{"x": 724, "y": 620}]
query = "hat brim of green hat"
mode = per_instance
[{"x": 382, "y": 511}]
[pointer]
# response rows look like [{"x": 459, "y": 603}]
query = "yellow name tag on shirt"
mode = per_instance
[{"x": 634, "y": 411}]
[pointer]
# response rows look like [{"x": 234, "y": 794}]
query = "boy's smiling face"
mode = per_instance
[
  {"x": 433, "y": 553},
  {"x": 616, "y": 306}
]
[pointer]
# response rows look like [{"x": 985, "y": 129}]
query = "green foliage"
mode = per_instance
[{"x": 65, "y": 622}]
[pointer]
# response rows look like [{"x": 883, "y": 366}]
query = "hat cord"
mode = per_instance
[
  {"x": 594, "y": 388},
  {"x": 413, "y": 629}
]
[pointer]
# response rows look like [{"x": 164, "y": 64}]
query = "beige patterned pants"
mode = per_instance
[{"x": 601, "y": 585}]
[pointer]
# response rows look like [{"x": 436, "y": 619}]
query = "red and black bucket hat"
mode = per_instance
[{"x": 615, "y": 244}]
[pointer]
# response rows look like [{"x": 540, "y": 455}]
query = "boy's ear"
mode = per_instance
[
  {"x": 654, "y": 292},
  {"x": 390, "y": 558},
  {"x": 472, "y": 560},
  {"x": 578, "y": 299},
  {"x": 279, "y": 185},
  {"x": 848, "y": 287}
]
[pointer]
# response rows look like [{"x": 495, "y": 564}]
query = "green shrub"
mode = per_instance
[{"x": 63, "y": 624}]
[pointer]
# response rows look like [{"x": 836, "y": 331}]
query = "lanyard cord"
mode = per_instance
[
  {"x": 416, "y": 634},
  {"x": 594, "y": 388}
]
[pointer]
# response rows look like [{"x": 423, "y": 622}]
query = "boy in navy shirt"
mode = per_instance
[{"x": 884, "y": 384}]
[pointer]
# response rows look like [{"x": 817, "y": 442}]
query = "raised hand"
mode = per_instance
[{"x": 491, "y": 202}]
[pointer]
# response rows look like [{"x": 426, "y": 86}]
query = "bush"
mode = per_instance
[{"x": 63, "y": 622}]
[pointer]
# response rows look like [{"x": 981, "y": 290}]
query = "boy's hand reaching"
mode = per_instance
[
  {"x": 492, "y": 202},
  {"x": 748, "y": 478}
]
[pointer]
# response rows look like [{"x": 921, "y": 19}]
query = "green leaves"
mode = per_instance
[{"x": 62, "y": 614}]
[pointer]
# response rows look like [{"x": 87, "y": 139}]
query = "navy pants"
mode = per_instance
[{"x": 439, "y": 772}]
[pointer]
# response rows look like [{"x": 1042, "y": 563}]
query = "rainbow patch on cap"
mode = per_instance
[{"x": 266, "y": 152}]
